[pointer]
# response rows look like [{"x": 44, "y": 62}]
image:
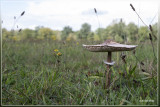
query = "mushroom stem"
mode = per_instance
[{"x": 108, "y": 72}]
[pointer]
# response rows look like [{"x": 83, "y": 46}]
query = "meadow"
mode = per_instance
[{"x": 50, "y": 72}]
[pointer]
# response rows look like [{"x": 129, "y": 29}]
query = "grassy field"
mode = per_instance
[{"x": 34, "y": 74}]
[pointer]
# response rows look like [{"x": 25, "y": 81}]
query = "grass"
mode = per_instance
[{"x": 32, "y": 74}]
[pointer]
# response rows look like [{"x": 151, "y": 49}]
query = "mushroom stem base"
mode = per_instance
[{"x": 108, "y": 72}]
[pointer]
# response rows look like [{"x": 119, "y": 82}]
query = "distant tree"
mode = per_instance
[
  {"x": 56, "y": 35},
  {"x": 117, "y": 29},
  {"x": 108, "y": 33},
  {"x": 37, "y": 28},
  {"x": 132, "y": 32},
  {"x": 71, "y": 37},
  {"x": 5, "y": 33},
  {"x": 96, "y": 38},
  {"x": 120, "y": 29},
  {"x": 45, "y": 33},
  {"x": 143, "y": 33},
  {"x": 27, "y": 33},
  {"x": 100, "y": 32},
  {"x": 84, "y": 31},
  {"x": 90, "y": 36},
  {"x": 65, "y": 32},
  {"x": 118, "y": 38}
]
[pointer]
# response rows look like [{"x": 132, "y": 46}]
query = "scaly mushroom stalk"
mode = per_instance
[{"x": 108, "y": 72}]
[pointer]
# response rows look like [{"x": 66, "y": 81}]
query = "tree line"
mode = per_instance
[{"x": 117, "y": 31}]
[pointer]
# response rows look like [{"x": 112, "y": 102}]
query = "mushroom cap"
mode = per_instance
[{"x": 109, "y": 46}]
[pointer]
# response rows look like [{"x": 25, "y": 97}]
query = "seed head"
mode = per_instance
[
  {"x": 150, "y": 36},
  {"x": 135, "y": 81},
  {"x": 95, "y": 10},
  {"x": 142, "y": 63},
  {"x": 123, "y": 56},
  {"x": 22, "y": 13},
  {"x": 132, "y": 7},
  {"x": 20, "y": 30},
  {"x": 96, "y": 83},
  {"x": 150, "y": 27},
  {"x": 58, "y": 61},
  {"x": 143, "y": 70}
]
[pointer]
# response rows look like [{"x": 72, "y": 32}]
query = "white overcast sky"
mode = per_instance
[{"x": 57, "y": 14}]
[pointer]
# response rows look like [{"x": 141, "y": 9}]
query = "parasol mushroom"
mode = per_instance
[{"x": 109, "y": 46}]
